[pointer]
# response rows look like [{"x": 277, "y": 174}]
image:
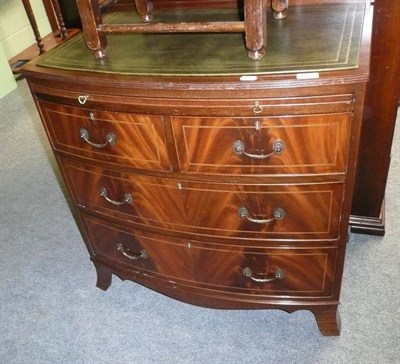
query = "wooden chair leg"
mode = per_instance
[
  {"x": 60, "y": 19},
  {"x": 91, "y": 18},
  {"x": 145, "y": 8},
  {"x": 35, "y": 28},
  {"x": 279, "y": 8},
  {"x": 255, "y": 24}
]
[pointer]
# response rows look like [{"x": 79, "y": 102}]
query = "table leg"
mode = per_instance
[
  {"x": 91, "y": 18},
  {"x": 279, "y": 8},
  {"x": 144, "y": 8}
]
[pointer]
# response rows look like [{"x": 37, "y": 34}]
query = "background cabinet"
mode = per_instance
[{"x": 381, "y": 105}]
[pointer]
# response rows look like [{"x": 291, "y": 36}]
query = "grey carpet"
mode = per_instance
[{"x": 51, "y": 311}]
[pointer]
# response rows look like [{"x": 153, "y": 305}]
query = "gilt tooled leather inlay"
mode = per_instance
[{"x": 311, "y": 38}]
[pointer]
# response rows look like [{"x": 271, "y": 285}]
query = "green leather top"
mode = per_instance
[{"x": 312, "y": 38}]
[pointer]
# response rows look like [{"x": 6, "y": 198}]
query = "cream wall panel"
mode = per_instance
[
  {"x": 16, "y": 33},
  {"x": 7, "y": 80}
]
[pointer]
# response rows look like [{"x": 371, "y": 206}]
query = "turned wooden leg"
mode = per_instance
[
  {"x": 145, "y": 8},
  {"x": 328, "y": 320},
  {"x": 104, "y": 276},
  {"x": 35, "y": 28},
  {"x": 60, "y": 19},
  {"x": 255, "y": 25},
  {"x": 91, "y": 18},
  {"x": 279, "y": 8}
]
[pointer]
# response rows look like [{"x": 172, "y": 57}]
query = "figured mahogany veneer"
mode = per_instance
[
  {"x": 130, "y": 131},
  {"x": 209, "y": 189},
  {"x": 209, "y": 208},
  {"x": 183, "y": 262},
  {"x": 311, "y": 144}
]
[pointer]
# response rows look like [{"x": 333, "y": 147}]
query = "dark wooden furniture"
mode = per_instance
[
  {"x": 381, "y": 104},
  {"x": 254, "y": 25},
  {"x": 382, "y": 99},
  {"x": 217, "y": 190},
  {"x": 35, "y": 28},
  {"x": 58, "y": 19}
]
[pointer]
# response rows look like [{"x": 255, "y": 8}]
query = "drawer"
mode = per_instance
[
  {"x": 136, "y": 140},
  {"x": 264, "y": 271},
  {"x": 312, "y": 144},
  {"x": 286, "y": 211}
]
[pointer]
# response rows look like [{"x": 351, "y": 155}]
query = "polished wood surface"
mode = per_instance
[
  {"x": 183, "y": 232},
  {"x": 209, "y": 208},
  {"x": 310, "y": 144},
  {"x": 381, "y": 105},
  {"x": 207, "y": 266},
  {"x": 139, "y": 138},
  {"x": 214, "y": 209}
]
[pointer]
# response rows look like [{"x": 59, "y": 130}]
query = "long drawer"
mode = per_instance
[
  {"x": 267, "y": 271},
  {"x": 136, "y": 140},
  {"x": 297, "y": 211},
  {"x": 308, "y": 144}
]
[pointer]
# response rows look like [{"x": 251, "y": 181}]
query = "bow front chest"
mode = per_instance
[{"x": 220, "y": 190}]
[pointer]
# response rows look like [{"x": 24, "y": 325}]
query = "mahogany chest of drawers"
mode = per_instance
[{"x": 212, "y": 190}]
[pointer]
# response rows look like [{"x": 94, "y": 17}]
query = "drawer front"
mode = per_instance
[
  {"x": 312, "y": 144},
  {"x": 136, "y": 140},
  {"x": 226, "y": 210},
  {"x": 263, "y": 211},
  {"x": 277, "y": 272},
  {"x": 143, "y": 200}
]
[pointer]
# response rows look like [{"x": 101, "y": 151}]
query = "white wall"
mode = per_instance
[
  {"x": 7, "y": 80},
  {"x": 16, "y": 35}
]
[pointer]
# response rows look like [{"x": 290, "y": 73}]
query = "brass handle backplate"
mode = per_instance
[
  {"x": 110, "y": 139},
  {"x": 279, "y": 274},
  {"x": 132, "y": 256},
  {"x": 278, "y": 214},
  {"x": 239, "y": 149},
  {"x": 127, "y": 197}
]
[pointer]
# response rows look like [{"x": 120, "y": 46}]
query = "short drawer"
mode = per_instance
[
  {"x": 311, "y": 144},
  {"x": 304, "y": 272},
  {"x": 286, "y": 211},
  {"x": 136, "y": 140}
]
